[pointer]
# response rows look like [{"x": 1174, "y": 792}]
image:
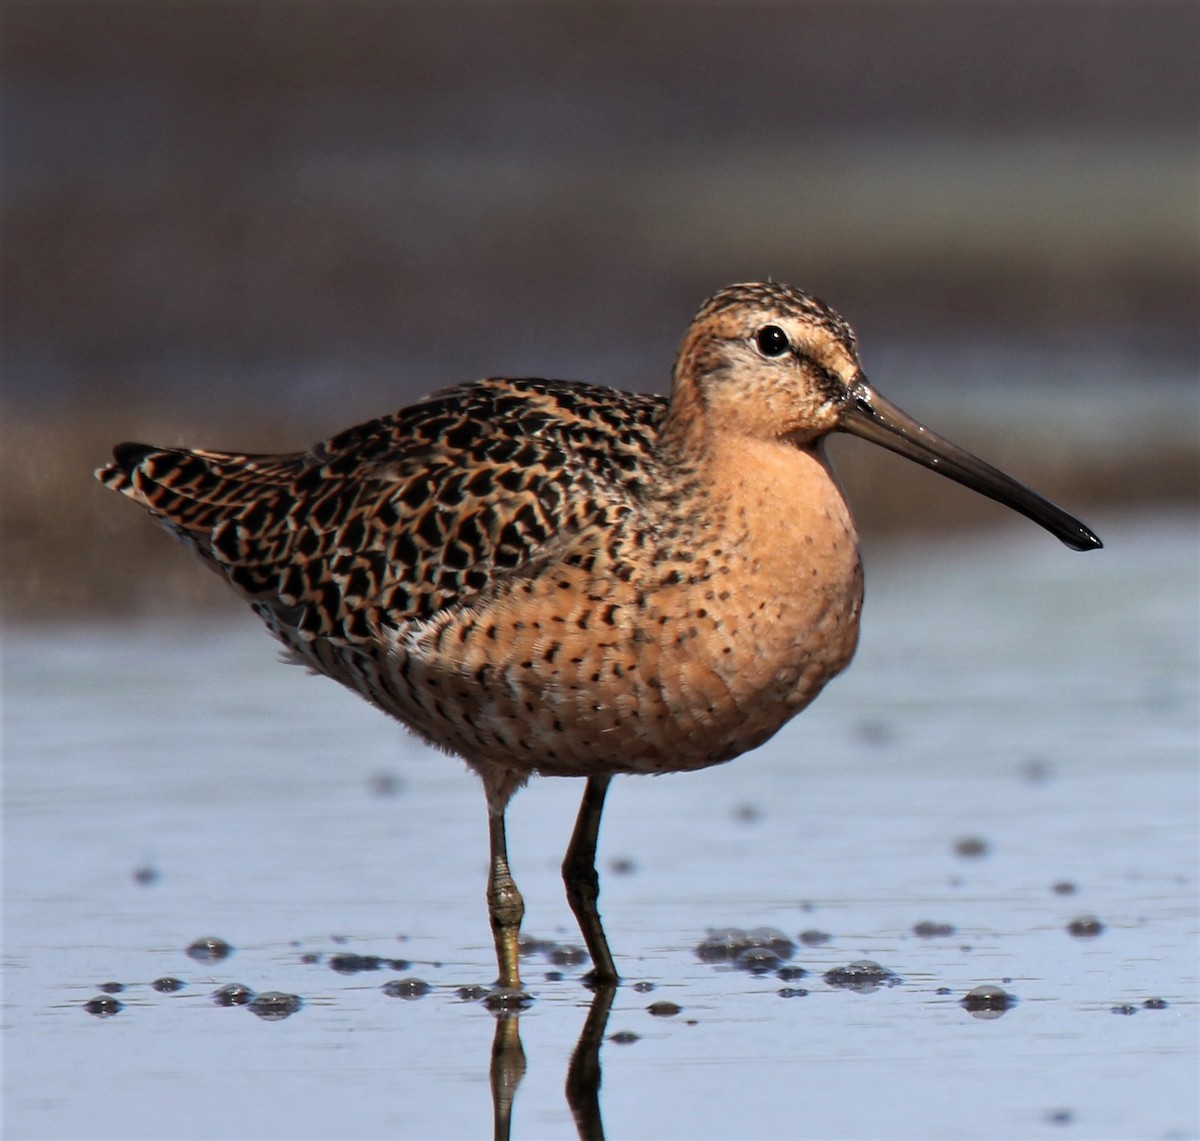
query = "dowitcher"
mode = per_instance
[{"x": 556, "y": 578}]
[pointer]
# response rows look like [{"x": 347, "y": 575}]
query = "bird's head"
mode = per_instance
[{"x": 765, "y": 360}]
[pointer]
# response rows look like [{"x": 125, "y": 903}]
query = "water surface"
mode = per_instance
[{"x": 165, "y": 782}]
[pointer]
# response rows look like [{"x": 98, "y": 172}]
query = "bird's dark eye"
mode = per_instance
[{"x": 771, "y": 341}]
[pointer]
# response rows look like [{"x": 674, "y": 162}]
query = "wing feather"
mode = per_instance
[{"x": 392, "y": 521}]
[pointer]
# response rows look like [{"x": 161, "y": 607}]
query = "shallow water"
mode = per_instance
[{"x": 1009, "y": 692}]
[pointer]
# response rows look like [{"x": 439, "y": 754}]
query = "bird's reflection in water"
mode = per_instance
[
  {"x": 508, "y": 1068},
  {"x": 583, "y": 1074}
]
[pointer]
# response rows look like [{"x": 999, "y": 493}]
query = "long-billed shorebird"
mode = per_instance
[{"x": 557, "y": 578}]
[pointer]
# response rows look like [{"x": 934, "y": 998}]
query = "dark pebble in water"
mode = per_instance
[
  {"x": 929, "y": 930},
  {"x": 623, "y": 1037},
  {"x": 103, "y": 1006},
  {"x": 145, "y": 876},
  {"x": 567, "y": 955},
  {"x": 815, "y": 938},
  {"x": 1037, "y": 771},
  {"x": 386, "y": 784},
  {"x": 664, "y": 1009},
  {"x": 553, "y": 976},
  {"x": 721, "y": 945},
  {"x": 399, "y": 964},
  {"x": 111, "y": 988},
  {"x": 1085, "y": 927},
  {"x": 1064, "y": 887},
  {"x": 472, "y": 993},
  {"x": 310, "y": 957},
  {"x": 864, "y": 975},
  {"x": 873, "y": 732},
  {"x": 943, "y": 990},
  {"x": 274, "y": 1005},
  {"x": 1124, "y": 1008},
  {"x": 792, "y": 992},
  {"x": 505, "y": 999},
  {"x": 1060, "y": 1117},
  {"x": 790, "y": 973},
  {"x": 1155, "y": 1004},
  {"x": 208, "y": 949},
  {"x": 622, "y": 866},
  {"x": 340, "y": 940},
  {"x": 757, "y": 960},
  {"x": 759, "y": 949},
  {"x": 168, "y": 985},
  {"x": 773, "y": 940},
  {"x": 643, "y": 988},
  {"x": 233, "y": 994},
  {"x": 531, "y": 945},
  {"x": 348, "y": 964},
  {"x": 747, "y": 813},
  {"x": 987, "y": 1001},
  {"x": 406, "y": 988},
  {"x": 971, "y": 847}
]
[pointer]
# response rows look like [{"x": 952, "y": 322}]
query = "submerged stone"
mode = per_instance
[
  {"x": 863, "y": 976},
  {"x": 103, "y": 1006},
  {"x": 274, "y": 1005},
  {"x": 815, "y": 938},
  {"x": 927, "y": 929},
  {"x": 506, "y": 1000},
  {"x": 209, "y": 949},
  {"x": 987, "y": 1001},
  {"x": 406, "y": 988},
  {"x": 233, "y": 994}
]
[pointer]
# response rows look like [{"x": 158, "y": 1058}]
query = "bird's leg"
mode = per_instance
[
  {"x": 505, "y": 905},
  {"x": 582, "y": 883}
]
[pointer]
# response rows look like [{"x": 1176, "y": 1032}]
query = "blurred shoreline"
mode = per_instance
[{"x": 250, "y": 225}]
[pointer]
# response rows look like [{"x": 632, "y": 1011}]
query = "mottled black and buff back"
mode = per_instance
[{"x": 395, "y": 519}]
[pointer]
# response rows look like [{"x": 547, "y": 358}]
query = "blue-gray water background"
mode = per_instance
[
  {"x": 248, "y": 225},
  {"x": 1007, "y": 691}
]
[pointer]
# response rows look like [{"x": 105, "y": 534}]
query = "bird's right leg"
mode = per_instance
[
  {"x": 583, "y": 884},
  {"x": 506, "y": 908}
]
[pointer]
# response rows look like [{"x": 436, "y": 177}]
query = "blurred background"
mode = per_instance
[{"x": 248, "y": 225}]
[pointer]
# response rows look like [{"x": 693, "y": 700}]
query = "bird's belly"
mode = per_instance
[
  {"x": 677, "y": 679},
  {"x": 639, "y": 649}
]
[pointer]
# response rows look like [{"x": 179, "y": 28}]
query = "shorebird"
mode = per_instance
[{"x": 565, "y": 579}]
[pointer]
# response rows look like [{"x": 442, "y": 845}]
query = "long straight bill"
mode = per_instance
[{"x": 869, "y": 415}]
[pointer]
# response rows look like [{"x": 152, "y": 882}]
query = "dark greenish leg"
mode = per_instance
[
  {"x": 505, "y": 905},
  {"x": 582, "y": 883}
]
